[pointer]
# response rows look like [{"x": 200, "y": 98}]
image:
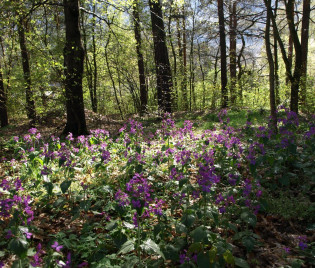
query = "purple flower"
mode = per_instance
[
  {"x": 302, "y": 242},
  {"x": 37, "y": 260},
  {"x": 56, "y": 246},
  {"x": 83, "y": 264},
  {"x": 135, "y": 219},
  {"x": 9, "y": 234},
  {"x": 105, "y": 157},
  {"x": 18, "y": 185},
  {"x": 287, "y": 250},
  {"x": 32, "y": 131},
  {"x": 122, "y": 198}
]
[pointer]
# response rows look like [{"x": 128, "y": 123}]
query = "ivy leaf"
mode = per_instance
[
  {"x": 149, "y": 245},
  {"x": 127, "y": 247}
]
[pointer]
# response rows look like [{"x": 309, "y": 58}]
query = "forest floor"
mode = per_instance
[{"x": 278, "y": 228}]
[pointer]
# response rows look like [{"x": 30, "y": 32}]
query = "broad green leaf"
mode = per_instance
[
  {"x": 65, "y": 186},
  {"x": 199, "y": 234},
  {"x": 149, "y": 245},
  {"x": 19, "y": 247},
  {"x": 127, "y": 247},
  {"x": 203, "y": 260},
  {"x": 241, "y": 263}
]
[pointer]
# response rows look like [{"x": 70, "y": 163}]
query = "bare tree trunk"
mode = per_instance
[
  {"x": 162, "y": 64},
  {"x": 304, "y": 47},
  {"x": 202, "y": 78},
  {"x": 142, "y": 79},
  {"x": 95, "y": 101},
  {"x": 290, "y": 47},
  {"x": 30, "y": 103},
  {"x": 295, "y": 83},
  {"x": 240, "y": 70},
  {"x": 271, "y": 75},
  {"x": 3, "y": 102},
  {"x": 73, "y": 62},
  {"x": 192, "y": 66},
  {"x": 276, "y": 61},
  {"x": 175, "y": 91},
  {"x": 233, "y": 26},
  {"x": 113, "y": 81},
  {"x": 224, "y": 95}
]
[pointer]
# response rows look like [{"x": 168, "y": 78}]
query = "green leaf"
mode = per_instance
[
  {"x": 127, "y": 247},
  {"x": 249, "y": 218},
  {"x": 248, "y": 242},
  {"x": 49, "y": 186},
  {"x": 188, "y": 220},
  {"x": 195, "y": 248},
  {"x": 149, "y": 245},
  {"x": 85, "y": 205},
  {"x": 180, "y": 228},
  {"x": 241, "y": 263},
  {"x": 182, "y": 182},
  {"x": 199, "y": 234},
  {"x": 228, "y": 257},
  {"x": 65, "y": 186},
  {"x": 171, "y": 252},
  {"x": 203, "y": 260},
  {"x": 213, "y": 254},
  {"x": 19, "y": 247}
]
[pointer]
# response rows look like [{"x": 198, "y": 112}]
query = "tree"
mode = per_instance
[
  {"x": 233, "y": 26},
  {"x": 304, "y": 47},
  {"x": 271, "y": 63},
  {"x": 162, "y": 64},
  {"x": 224, "y": 96},
  {"x": 73, "y": 63},
  {"x": 137, "y": 30},
  {"x": 3, "y": 102},
  {"x": 30, "y": 103}
]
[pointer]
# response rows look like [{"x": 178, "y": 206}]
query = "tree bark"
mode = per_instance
[
  {"x": 233, "y": 26},
  {"x": 30, "y": 103},
  {"x": 295, "y": 82},
  {"x": 3, "y": 102},
  {"x": 271, "y": 76},
  {"x": 224, "y": 95},
  {"x": 142, "y": 79},
  {"x": 290, "y": 48},
  {"x": 73, "y": 63},
  {"x": 304, "y": 47},
  {"x": 276, "y": 61},
  {"x": 162, "y": 64}
]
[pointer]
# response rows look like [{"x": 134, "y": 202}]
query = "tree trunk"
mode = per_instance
[
  {"x": 271, "y": 76},
  {"x": 290, "y": 48},
  {"x": 73, "y": 63},
  {"x": 137, "y": 30},
  {"x": 3, "y": 102},
  {"x": 233, "y": 25},
  {"x": 304, "y": 47},
  {"x": 276, "y": 61},
  {"x": 295, "y": 83},
  {"x": 163, "y": 69},
  {"x": 94, "y": 103},
  {"x": 30, "y": 103},
  {"x": 202, "y": 78},
  {"x": 224, "y": 95},
  {"x": 175, "y": 91},
  {"x": 240, "y": 70}
]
